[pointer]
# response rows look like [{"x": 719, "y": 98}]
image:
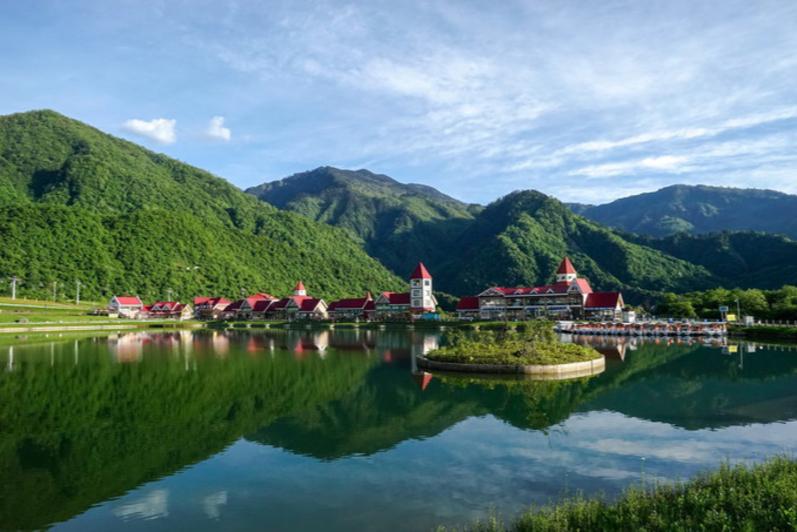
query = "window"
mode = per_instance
[
  {"x": 427, "y": 282},
  {"x": 416, "y": 302}
]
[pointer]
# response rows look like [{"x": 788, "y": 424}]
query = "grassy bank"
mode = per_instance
[
  {"x": 534, "y": 344},
  {"x": 762, "y": 497},
  {"x": 763, "y": 332}
]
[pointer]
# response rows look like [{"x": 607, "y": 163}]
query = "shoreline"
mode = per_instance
[{"x": 568, "y": 370}]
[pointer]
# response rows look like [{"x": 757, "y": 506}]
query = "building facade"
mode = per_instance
[{"x": 569, "y": 297}]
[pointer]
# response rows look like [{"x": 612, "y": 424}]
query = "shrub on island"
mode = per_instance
[{"x": 534, "y": 344}]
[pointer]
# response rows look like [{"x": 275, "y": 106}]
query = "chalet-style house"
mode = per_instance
[
  {"x": 570, "y": 297},
  {"x": 167, "y": 310},
  {"x": 125, "y": 306},
  {"x": 265, "y": 306},
  {"x": 354, "y": 309},
  {"x": 210, "y": 308},
  {"x": 390, "y": 305}
]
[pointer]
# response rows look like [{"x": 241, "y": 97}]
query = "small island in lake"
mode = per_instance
[{"x": 531, "y": 349}]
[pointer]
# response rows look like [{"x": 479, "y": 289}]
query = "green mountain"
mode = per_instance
[
  {"x": 78, "y": 204},
  {"x": 397, "y": 223},
  {"x": 520, "y": 239},
  {"x": 698, "y": 209},
  {"x": 738, "y": 259}
]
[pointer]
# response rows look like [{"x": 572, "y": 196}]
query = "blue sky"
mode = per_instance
[{"x": 587, "y": 101}]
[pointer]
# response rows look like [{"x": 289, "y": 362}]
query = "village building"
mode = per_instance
[
  {"x": 355, "y": 309},
  {"x": 298, "y": 306},
  {"x": 245, "y": 308},
  {"x": 210, "y": 308},
  {"x": 570, "y": 297},
  {"x": 408, "y": 305},
  {"x": 168, "y": 310},
  {"x": 125, "y": 306}
]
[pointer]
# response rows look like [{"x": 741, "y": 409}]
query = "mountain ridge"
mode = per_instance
[{"x": 157, "y": 224}]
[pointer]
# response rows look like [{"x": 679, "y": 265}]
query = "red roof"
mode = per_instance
[
  {"x": 566, "y": 267},
  {"x": 234, "y": 306},
  {"x": 583, "y": 284},
  {"x": 555, "y": 288},
  {"x": 608, "y": 300},
  {"x": 262, "y": 305},
  {"x": 199, "y": 300},
  {"x": 397, "y": 298},
  {"x": 351, "y": 303},
  {"x": 299, "y": 286},
  {"x": 309, "y": 304},
  {"x": 129, "y": 300},
  {"x": 420, "y": 272},
  {"x": 468, "y": 303}
]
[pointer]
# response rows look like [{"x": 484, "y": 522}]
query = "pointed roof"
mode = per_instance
[
  {"x": 420, "y": 272},
  {"x": 566, "y": 267},
  {"x": 299, "y": 286}
]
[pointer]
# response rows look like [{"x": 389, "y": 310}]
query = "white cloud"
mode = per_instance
[
  {"x": 216, "y": 129},
  {"x": 160, "y": 130},
  {"x": 662, "y": 163},
  {"x": 153, "y": 505}
]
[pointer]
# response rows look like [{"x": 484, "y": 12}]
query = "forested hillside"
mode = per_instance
[
  {"x": 78, "y": 204},
  {"x": 698, "y": 209},
  {"x": 398, "y": 223},
  {"x": 520, "y": 239}
]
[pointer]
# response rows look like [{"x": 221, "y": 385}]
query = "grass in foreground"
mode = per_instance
[
  {"x": 763, "y": 497},
  {"x": 535, "y": 343}
]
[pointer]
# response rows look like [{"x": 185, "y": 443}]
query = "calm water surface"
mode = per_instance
[{"x": 333, "y": 431}]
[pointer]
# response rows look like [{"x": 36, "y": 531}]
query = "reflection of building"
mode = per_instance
[{"x": 569, "y": 297}]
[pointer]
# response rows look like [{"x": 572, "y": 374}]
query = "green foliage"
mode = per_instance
[
  {"x": 699, "y": 209},
  {"x": 778, "y": 304},
  {"x": 535, "y": 343},
  {"x": 77, "y": 204},
  {"x": 399, "y": 224},
  {"x": 520, "y": 239},
  {"x": 763, "y": 497},
  {"x": 745, "y": 260}
]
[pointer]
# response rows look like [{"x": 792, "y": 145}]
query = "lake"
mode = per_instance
[{"x": 332, "y": 430}]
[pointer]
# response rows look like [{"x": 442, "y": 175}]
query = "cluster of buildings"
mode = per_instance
[
  {"x": 416, "y": 302},
  {"x": 570, "y": 297},
  {"x": 133, "y": 307}
]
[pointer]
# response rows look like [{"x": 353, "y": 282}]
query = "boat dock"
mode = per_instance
[{"x": 646, "y": 328}]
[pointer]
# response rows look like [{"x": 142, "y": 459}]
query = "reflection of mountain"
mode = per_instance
[
  {"x": 711, "y": 390},
  {"x": 77, "y": 430},
  {"x": 74, "y": 433},
  {"x": 678, "y": 384}
]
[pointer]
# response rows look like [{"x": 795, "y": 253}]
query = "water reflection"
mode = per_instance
[{"x": 87, "y": 420}]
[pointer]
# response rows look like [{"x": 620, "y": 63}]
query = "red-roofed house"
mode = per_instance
[
  {"x": 168, "y": 310},
  {"x": 395, "y": 305},
  {"x": 408, "y": 305},
  {"x": 210, "y": 308},
  {"x": 604, "y": 306},
  {"x": 567, "y": 298},
  {"x": 359, "y": 308},
  {"x": 468, "y": 307},
  {"x": 299, "y": 306},
  {"x": 125, "y": 306}
]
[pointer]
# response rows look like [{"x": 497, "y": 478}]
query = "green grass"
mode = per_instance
[
  {"x": 766, "y": 331},
  {"x": 763, "y": 497}
]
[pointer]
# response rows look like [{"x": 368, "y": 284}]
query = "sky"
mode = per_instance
[{"x": 586, "y": 101}]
